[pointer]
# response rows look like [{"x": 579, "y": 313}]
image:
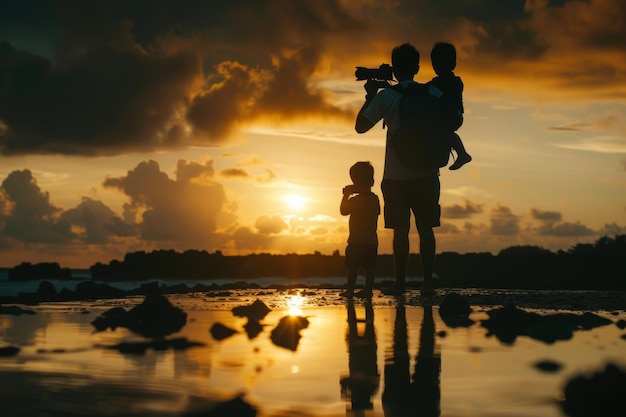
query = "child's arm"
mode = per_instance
[{"x": 344, "y": 207}]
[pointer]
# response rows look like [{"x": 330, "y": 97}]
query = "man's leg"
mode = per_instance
[
  {"x": 398, "y": 218},
  {"x": 427, "y": 255},
  {"x": 400, "y": 255}
]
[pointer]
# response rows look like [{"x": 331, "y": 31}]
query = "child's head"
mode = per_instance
[
  {"x": 443, "y": 57},
  {"x": 362, "y": 174}
]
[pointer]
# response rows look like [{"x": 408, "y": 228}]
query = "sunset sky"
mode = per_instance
[{"x": 158, "y": 124}]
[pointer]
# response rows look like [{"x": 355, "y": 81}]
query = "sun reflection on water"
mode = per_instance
[{"x": 294, "y": 304}]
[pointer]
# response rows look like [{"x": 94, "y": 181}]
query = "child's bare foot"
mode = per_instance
[{"x": 461, "y": 160}]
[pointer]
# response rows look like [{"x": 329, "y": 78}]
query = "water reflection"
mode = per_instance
[
  {"x": 419, "y": 394},
  {"x": 362, "y": 383}
]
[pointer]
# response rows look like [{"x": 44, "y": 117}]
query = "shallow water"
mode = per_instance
[{"x": 352, "y": 359}]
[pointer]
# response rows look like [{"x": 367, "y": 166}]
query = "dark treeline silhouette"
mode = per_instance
[
  {"x": 596, "y": 265},
  {"x": 45, "y": 270}
]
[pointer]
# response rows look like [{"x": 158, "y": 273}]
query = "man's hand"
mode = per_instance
[
  {"x": 371, "y": 87},
  {"x": 348, "y": 190}
]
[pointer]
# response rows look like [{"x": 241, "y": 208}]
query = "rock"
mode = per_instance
[
  {"x": 90, "y": 290},
  {"x": 455, "y": 310},
  {"x": 253, "y": 328},
  {"x": 46, "y": 291},
  {"x": 235, "y": 407},
  {"x": 287, "y": 333},
  {"x": 140, "y": 348},
  {"x": 255, "y": 311},
  {"x": 15, "y": 311},
  {"x": 155, "y": 317},
  {"x": 509, "y": 322},
  {"x": 221, "y": 332},
  {"x": 601, "y": 393},
  {"x": 7, "y": 351},
  {"x": 547, "y": 365},
  {"x": 112, "y": 318}
]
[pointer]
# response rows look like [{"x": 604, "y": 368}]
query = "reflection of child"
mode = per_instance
[
  {"x": 443, "y": 58},
  {"x": 363, "y": 207},
  {"x": 363, "y": 381}
]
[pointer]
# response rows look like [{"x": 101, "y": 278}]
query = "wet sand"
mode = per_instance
[{"x": 63, "y": 369}]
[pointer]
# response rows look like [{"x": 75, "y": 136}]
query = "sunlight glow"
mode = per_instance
[
  {"x": 295, "y": 304},
  {"x": 295, "y": 202}
]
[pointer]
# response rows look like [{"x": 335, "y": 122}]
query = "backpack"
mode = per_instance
[{"x": 424, "y": 137}]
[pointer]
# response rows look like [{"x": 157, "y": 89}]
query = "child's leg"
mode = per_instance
[
  {"x": 352, "y": 276},
  {"x": 369, "y": 284},
  {"x": 462, "y": 157}
]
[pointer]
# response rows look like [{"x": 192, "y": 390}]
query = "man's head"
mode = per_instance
[
  {"x": 405, "y": 60},
  {"x": 362, "y": 174},
  {"x": 443, "y": 57}
]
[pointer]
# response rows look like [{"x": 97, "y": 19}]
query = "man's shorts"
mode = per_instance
[
  {"x": 358, "y": 255},
  {"x": 419, "y": 195}
]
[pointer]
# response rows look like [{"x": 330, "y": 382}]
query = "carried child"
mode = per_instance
[
  {"x": 363, "y": 207},
  {"x": 443, "y": 58}
]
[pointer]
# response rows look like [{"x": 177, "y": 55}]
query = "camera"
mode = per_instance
[{"x": 383, "y": 73}]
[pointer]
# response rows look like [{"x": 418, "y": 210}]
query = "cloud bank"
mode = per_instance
[{"x": 106, "y": 78}]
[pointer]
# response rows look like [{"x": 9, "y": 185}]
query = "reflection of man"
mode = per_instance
[
  {"x": 362, "y": 383},
  {"x": 419, "y": 395},
  {"x": 405, "y": 189}
]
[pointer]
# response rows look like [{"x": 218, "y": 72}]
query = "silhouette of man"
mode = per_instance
[
  {"x": 420, "y": 394},
  {"x": 405, "y": 189}
]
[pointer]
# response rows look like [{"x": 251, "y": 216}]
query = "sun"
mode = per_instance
[
  {"x": 294, "y": 304},
  {"x": 295, "y": 202}
]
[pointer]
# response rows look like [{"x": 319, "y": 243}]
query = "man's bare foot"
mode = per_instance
[
  {"x": 461, "y": 160},
  {"x": 366, "y": 293}
]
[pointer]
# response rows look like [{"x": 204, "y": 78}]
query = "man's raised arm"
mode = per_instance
[{"x": 363, "y": 124}]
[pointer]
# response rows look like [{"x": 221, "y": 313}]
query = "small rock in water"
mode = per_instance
[
  {"x": 9, "y": 351},
  {"x": 255, "y": 311},
  {"x": 547, "y": 365},
  {"x": 221, "y": 332},
  {"x": 455, "y": 310},
  {"x": 287, "y": 333}
]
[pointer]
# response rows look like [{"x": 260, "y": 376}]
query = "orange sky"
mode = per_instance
[{"x": 230, "y": 125}]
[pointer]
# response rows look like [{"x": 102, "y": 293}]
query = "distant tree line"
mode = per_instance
[{"x": 598, "y": 265}]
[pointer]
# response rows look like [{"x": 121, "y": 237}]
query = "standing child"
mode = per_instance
[
  {"x": 363, "y": 207},
  {"x": 443, "y": 58}
]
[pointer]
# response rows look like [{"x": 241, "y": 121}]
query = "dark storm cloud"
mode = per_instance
[
  {"x": 457, "y": 211},
  {"x": 187, "y": 170},
  {"x": 92, "y": 77},
  {"x": 98, "y": 221},
  {"x": 503, "y": 221},
  {"x": 612, "y": 229},
  {"x": 31, "y": 217},
  {"x": 171, "y": 210},
  {"x": 235, "y": 173},
  {"x": 566, "y": 229},
  {"x": 546, "y": 216},
  {"x": 27, "y": 215},
  {"x": 128, "y": 76}
]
